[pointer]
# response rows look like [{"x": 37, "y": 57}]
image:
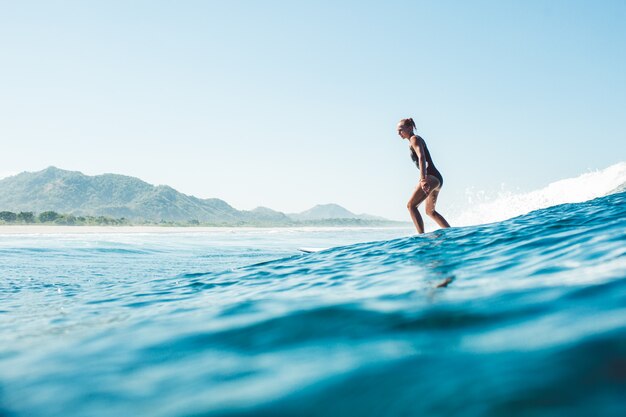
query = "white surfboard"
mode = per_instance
[{"x": 311, "y": 250}]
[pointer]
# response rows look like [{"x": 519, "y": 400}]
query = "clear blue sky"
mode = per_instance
[{"x": 287, "y": 105}]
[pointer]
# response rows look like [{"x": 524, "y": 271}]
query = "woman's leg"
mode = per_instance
[
  {"x": 416, "y": 199},
  {"x": 431, "y": 201}
]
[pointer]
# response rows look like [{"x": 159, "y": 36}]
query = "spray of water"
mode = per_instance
[{"x": 482, "y": 208}]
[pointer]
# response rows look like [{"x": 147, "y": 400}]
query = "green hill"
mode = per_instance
[
  {"x": 118, "y": 196},
  {"x": 107, "y": 195}
]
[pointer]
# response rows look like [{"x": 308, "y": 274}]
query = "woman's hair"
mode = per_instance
[{"x": 408, "y": 123}]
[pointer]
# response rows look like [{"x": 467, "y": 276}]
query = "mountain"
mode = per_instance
[
  {"x": 112, "y": 195},
  {"x": 107, "y": 195},
  {"x": 332, "y": 211},
  {"x": 267, "y": 214},
  {"x": 324, "y": 211}
]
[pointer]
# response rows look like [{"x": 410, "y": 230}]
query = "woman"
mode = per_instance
[{"x": 430, "y": 178}]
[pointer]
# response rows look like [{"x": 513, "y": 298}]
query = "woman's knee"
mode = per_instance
[{"x": 412, "y": 204}]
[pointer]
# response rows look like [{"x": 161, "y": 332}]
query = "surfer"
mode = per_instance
[{"x": 430, "y": 178}]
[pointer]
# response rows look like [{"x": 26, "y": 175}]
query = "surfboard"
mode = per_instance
[{"x": 311, "y": 250}]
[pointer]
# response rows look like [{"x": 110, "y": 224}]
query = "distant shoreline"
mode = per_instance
[
  {"x": 70, "y": 198},
  {"x": 54, "y": 229}
]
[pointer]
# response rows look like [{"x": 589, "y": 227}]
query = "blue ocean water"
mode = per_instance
[{"x": 524, "y": 317}]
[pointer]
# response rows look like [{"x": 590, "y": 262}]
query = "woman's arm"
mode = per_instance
[{"x": 417, "y": 144}]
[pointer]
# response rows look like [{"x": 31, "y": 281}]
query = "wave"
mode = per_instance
[
  {"x": 483, "y": 209},
  {"x": 530, "y": 323},
  {"x": 533, "y": 311}
]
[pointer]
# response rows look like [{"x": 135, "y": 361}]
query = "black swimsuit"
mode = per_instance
[{"x": 430, "y": 167}]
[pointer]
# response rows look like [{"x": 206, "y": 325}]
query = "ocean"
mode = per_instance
[{"x": 518, "y": 315}]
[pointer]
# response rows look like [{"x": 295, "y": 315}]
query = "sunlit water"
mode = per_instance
[{"x": 525, "y": 317}]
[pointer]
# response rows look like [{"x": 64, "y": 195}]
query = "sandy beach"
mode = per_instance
[
  {"x": 54, "y": 230},
  {"x": 45, "y": 230}
]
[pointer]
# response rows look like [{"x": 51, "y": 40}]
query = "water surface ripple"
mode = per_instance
[{"x": 525, "y": 317}]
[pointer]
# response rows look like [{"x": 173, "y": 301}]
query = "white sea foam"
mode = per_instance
[{"x": 483, "y": 209}]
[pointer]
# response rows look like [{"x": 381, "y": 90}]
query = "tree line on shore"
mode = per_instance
[{"x": 52, "y": 217}]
